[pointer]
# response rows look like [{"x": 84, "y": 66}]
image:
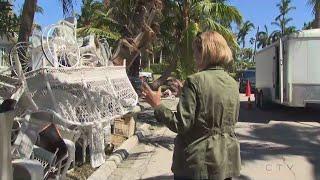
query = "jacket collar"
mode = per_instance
[{"x": 214, "y": 68}]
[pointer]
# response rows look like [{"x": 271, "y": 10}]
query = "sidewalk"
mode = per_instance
[
  {"x": 151, "y": 159},
  {"x": 274, "y": 151}
]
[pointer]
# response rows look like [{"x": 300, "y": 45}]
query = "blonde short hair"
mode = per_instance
[{"x": 213, "y": 49}]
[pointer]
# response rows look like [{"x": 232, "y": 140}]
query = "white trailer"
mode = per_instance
[{"x": 288, "y": 71}]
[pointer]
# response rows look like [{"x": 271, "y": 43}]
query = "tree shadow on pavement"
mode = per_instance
[
  {"x": 139, "y": 155},
  {"x": 159, "y": 141},
  {"x": 160, "y": 178},
  {"x": 148, "y": 118},
  {"x": 242, "y": 177},
  {"x": 283, "y": 139}
]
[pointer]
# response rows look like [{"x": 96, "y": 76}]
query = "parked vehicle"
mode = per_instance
[
  {"x": 244, "y": 77},
  {"x": 148, "y": 76},
  {"x": 287, "y": 72},
  {"x": 136, "y": 83}
]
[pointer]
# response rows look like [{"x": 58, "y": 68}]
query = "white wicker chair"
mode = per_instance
[{"x": 83, "y": 99}]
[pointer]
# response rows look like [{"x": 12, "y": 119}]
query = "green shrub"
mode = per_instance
[
  {"x": 147, "y": 69},
  {"x": 158, "y": 68},
  {"x": 234, "y": 75}
]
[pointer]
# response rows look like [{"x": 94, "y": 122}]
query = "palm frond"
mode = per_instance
[
  {"x": 276, "y": 24},
  {"x": 85, "y": 31},
  {"x": 67, "y": 7},
  {"x": 218, "y": 11},
  {"x": 210, "y": 25},
  {"x": 39, "y": 9}
]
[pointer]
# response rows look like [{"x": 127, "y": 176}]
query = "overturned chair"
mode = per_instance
[
  {"x": 42, "y": 162},
  {"x": 24, "y": 169}
]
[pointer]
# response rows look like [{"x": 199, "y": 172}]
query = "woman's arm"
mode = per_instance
[{"x": 182, "y": 120}]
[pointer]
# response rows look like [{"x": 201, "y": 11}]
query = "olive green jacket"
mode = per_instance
[{"x": 206, "y": 146}]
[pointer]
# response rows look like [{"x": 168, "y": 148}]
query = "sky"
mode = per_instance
[
  {"x": 260, "y": 12},
  {"x": 263, "y": 12}
]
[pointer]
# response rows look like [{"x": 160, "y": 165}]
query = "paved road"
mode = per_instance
[{"x": 278, "y": 144}]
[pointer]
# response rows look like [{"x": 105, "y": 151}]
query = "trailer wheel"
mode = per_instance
[
  {"x": 256, "y": 98},
  {"x": 260, "y": 102}
]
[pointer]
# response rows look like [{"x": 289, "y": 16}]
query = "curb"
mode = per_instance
[{"x": 120, "y": 154}]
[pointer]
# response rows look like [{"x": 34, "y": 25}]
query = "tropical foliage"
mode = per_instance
[
  {"x": 8, "y": 21},
  {"x": 282, "y": 21},
  {"x": 308, "y": 25},
  {"x": 315, "y": 4},
  {"x": 27, "y": 16},
  {"x": 245, "y": 54},
  {"x": 95, "y": 19},
  {"x": 263, "y": 38},
  {"x": 173, "y": 30},
  {"x": 245, "y": 28},
  {"x": 182, "y": 20}
]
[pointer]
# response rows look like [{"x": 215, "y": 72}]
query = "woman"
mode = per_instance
[{"x": 206, "y": 146}]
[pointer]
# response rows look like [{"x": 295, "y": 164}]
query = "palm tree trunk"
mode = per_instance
[
  {"x": 164, "y": 76},
  {"x": 317, "y": 15},
  {"x": 133, "y": 70},
  {"x": 255, "y": 45},
  {"x": 29, "y": 9},
  {"x": 186, "y": 6}
]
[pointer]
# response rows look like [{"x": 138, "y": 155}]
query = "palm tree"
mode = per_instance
[
  {"x": 308, "y": 25},
  {"x": 95, "y": 19},
  {"x": 290, "y": 30},
  {"x": 244, "y": 31},
  {"x": 282, "y": 20},
  {"x": 215, "y": 15},
  {"x": 183, "y": 20},
  {"x": 245, "y": 54},
  {"x": 275, "y": 35},
  {"x": 316, "y": 10},
  {"x": 27, "y": 16},
  {"x": 263, "y": 38},
  {"x": 124, "y": 12},
  {"x": 8, "y": 21},
  {"x": 137, "y": 22}
]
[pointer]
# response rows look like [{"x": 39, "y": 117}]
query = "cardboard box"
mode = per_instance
[
  {"x": 124, "y": 126},
  {"x": 117, "y": 140}
]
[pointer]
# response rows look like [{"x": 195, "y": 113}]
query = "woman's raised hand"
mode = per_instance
[{"x": 152, "y": 97}]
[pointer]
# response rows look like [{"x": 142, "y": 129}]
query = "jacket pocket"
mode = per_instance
[
  {"x": 195, "y": 158},
  {"x": 233, "y": 155},
  {"x": 216, "y": 155}
]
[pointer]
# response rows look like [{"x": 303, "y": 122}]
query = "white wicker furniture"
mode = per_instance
[
  {"x": 85, "y": 99},
  {"x": 82, "y": 99}
]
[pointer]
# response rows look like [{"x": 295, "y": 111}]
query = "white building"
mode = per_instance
[
  {"x": 5, "y": 42},
  {"x": 5, "y": 46}
]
